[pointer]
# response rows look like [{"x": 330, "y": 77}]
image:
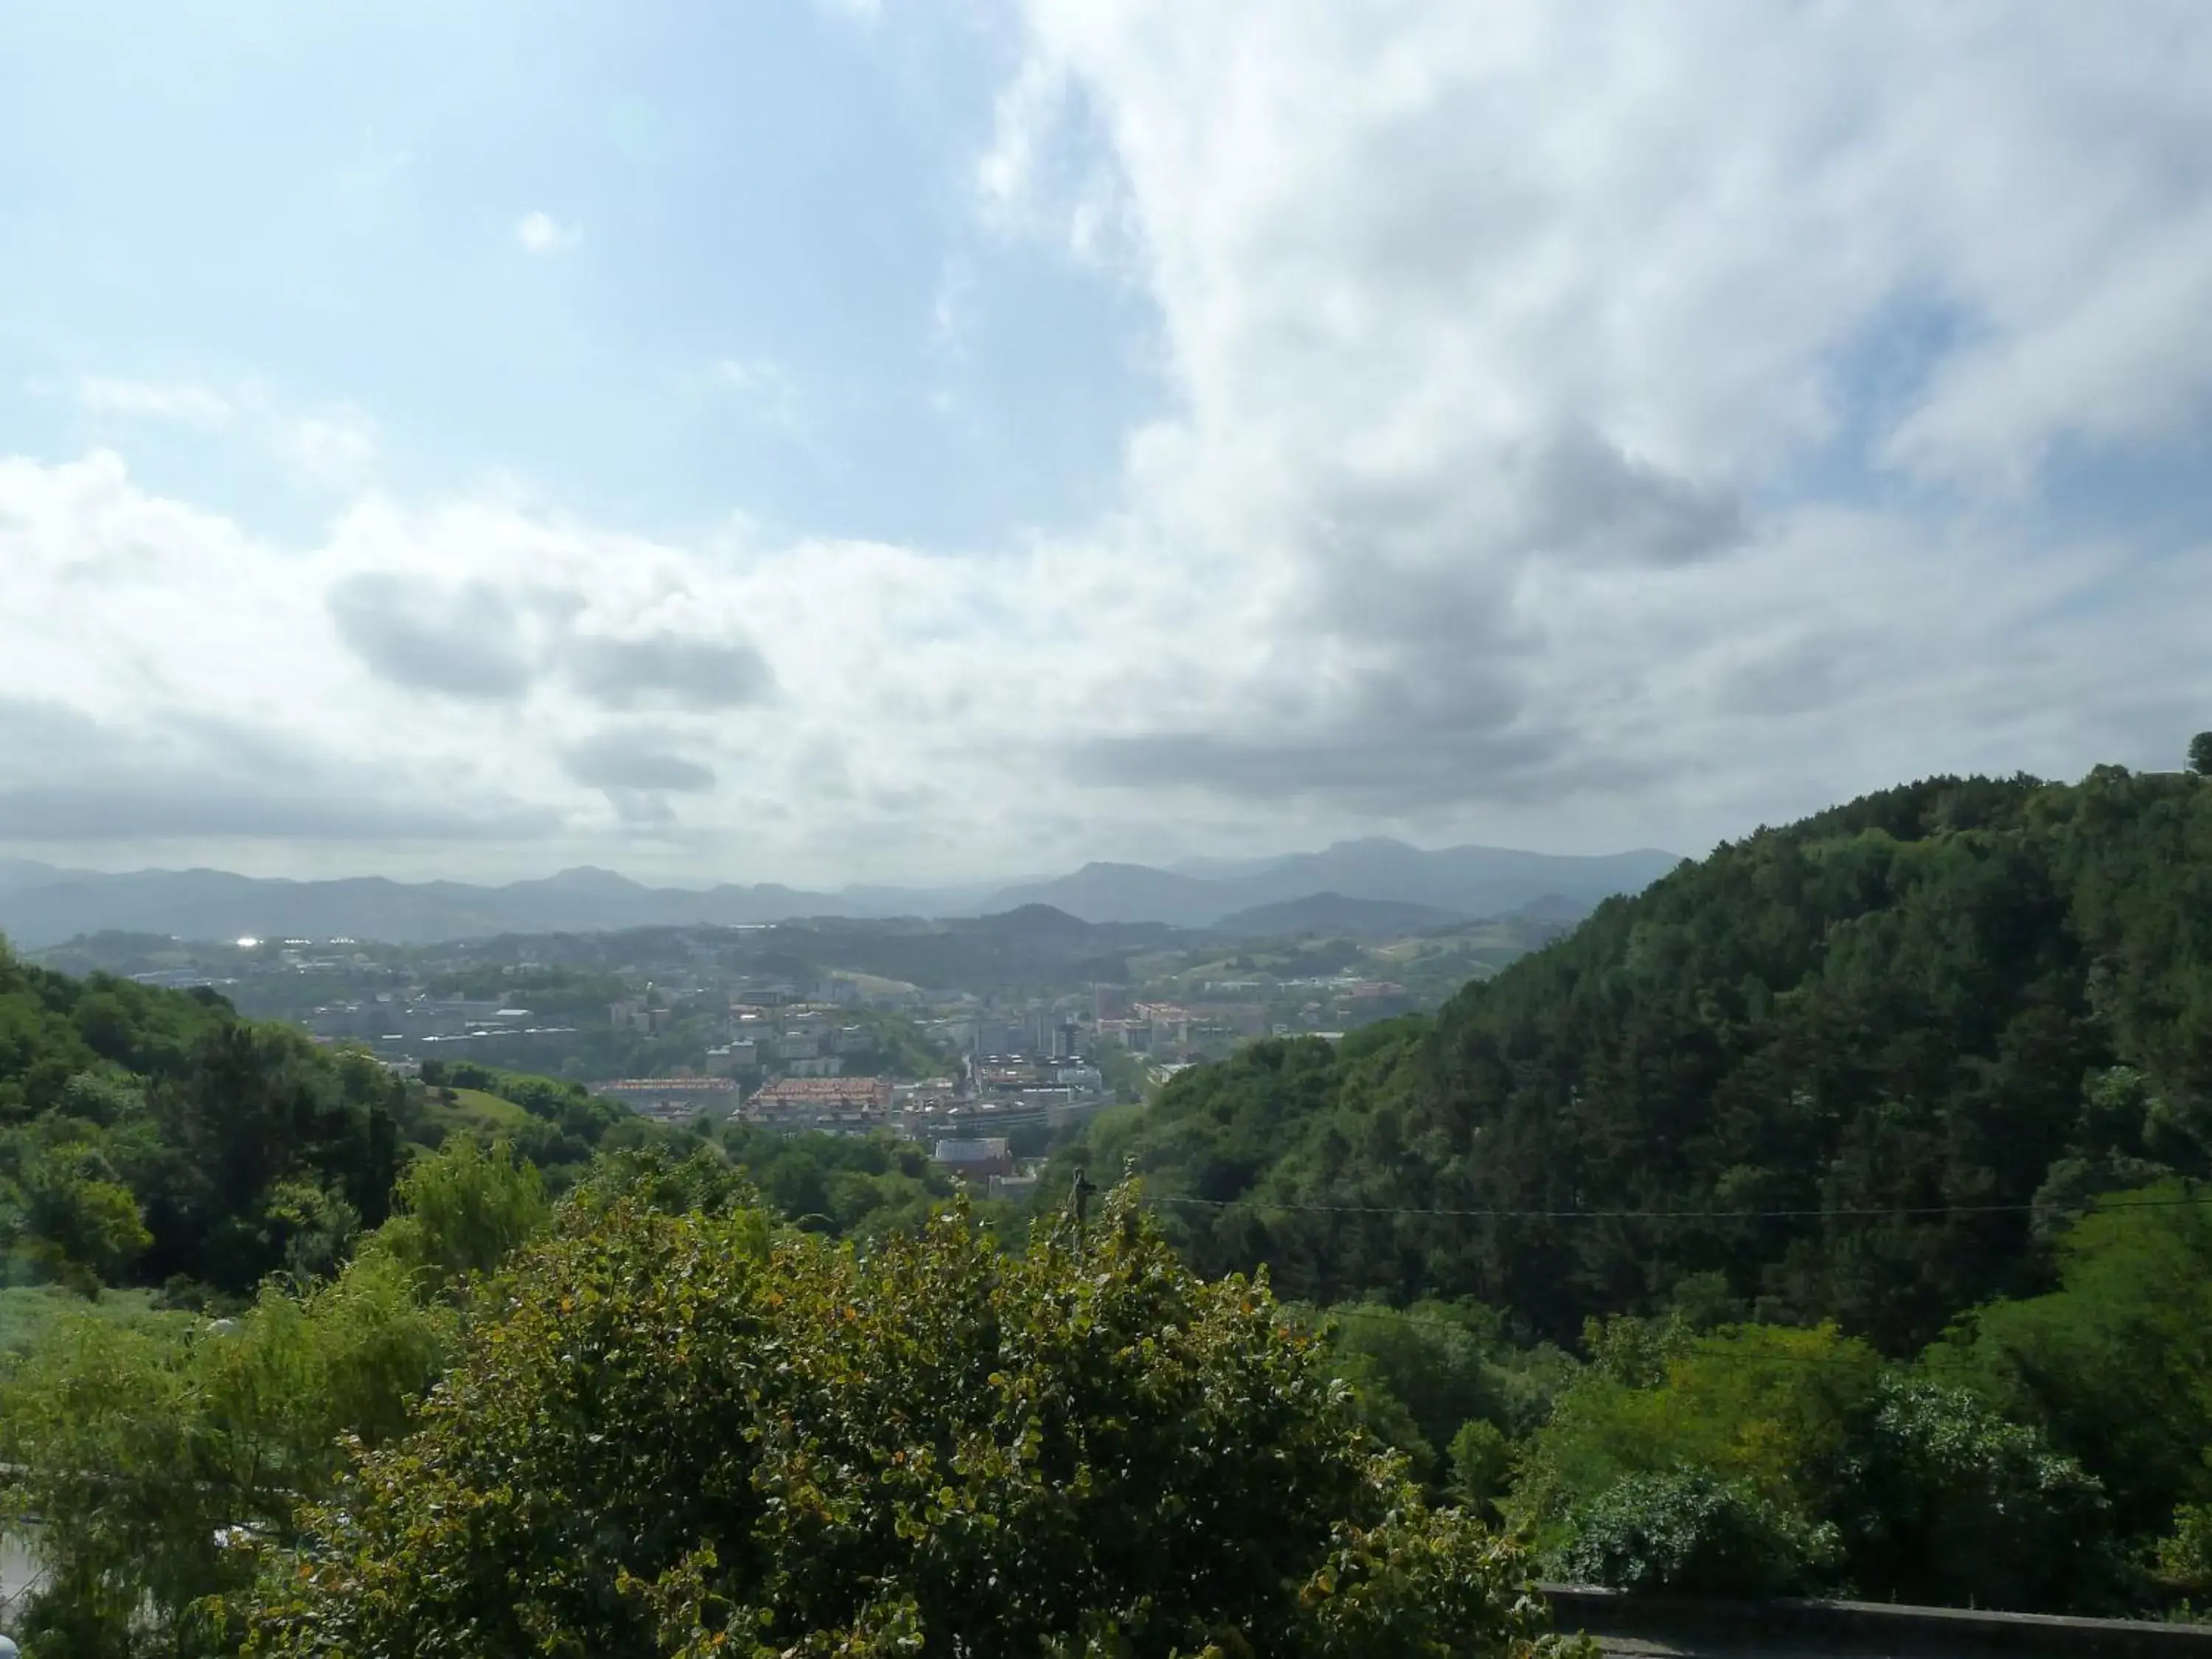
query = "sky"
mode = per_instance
[{"x": 835, "y": 440}]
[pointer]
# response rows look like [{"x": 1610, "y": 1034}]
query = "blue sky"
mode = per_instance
[
  {"x": 325, "y": 201},
  {"x": 824, "y": 442}
]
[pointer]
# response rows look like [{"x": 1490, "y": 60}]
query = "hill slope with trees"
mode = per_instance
[
  {"x": 153, "y": 1138},
  {"x": 1859, "y": 1069},
  {"x": 1829, "y": 1219}
]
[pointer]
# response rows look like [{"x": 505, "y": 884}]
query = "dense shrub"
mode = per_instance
[
  {"x": 1948, "y": 1503},
  {"x": 1691, "y": 1532},
  {"x": 685, "y": 1435}
]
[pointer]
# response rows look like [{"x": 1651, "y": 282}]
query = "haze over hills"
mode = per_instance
[
  {"x": 41, "y": 905},
  {"x": 1332, "y": 913},
  {"x": 1461, "y": 881},
  {"x": 16, "y": 874}
]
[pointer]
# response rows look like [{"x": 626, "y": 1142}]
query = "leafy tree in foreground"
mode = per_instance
[
  {"x": 2200, "y": 754},
  {"x": 1946, "y": 1501},
  {"x": 1481, "y": 1464},
  {"x": 463, "y": 1211},
  {"x": 2184, "y": 1557},
  {"x": 685, "y": 1435},
  {"x": 63, "y": 1215}
]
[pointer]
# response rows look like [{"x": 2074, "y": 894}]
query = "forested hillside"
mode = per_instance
[
  {"x": 154, "y": 1138},
  {"x": 1860, "y": 1069}
]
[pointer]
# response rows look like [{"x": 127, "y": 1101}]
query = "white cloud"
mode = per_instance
[
  {"x": 768, "y": 391},
  {"x": 1518, "y": 351},
  {"x": 1030, "y": 110},
  {"x": 471, "y": 651},
  {"x": 951, "y": 307},
  {"x": 557, "y": 688},
  {"x": 541, "y": 233},
  {"x": 181, "y": 402},
  {"x": 337, "y": 449},
  {"x": 1484, "y": 316},
  {"x": 1043, "y": 172},
  {"x": 1478, "y": 219}
]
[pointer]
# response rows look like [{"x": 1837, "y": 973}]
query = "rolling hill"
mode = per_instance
[
  {"x": 1854, "y": 1069},
  {"x": 1337, "y": 914},
  {"x": 1460, "y": 881},
  {"x": 41, "y": 905}
]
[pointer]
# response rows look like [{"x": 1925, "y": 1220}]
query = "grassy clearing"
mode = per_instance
[
  {"x": 473, "y": 1109},
  {"x": 30, "y": 1312}
]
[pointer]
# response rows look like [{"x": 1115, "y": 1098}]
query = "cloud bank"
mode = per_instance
[{"x": 1592, "y": 425}]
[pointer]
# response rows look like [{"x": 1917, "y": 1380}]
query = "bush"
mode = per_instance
[
  {"x": 1691, "y": 1533},
  {"x": 462, "y": 1210},
  {"x": 1481, "y": 1465},
  {"x": 1776, "y": 1409},
  {"x": 2184, "y": 1557},
  {"x": 1919, "y": 1492},
  {"x": 2116, "y": 1364},
  {"x": 135, "y": 1452},
  {"x": 688, "y": 1434},
  {"x": 1952, "y": 1505}
]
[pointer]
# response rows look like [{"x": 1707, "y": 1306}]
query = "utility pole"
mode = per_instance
[{"x": 1079, "y": 1197}]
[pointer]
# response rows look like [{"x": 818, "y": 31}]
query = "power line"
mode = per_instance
[
  {"x": 1694, "y": 1352},
  {"x": 1324, "y": 1313},
  {"x": 1868, "y": 1213}
]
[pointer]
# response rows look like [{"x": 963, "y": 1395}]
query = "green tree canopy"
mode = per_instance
[
  {"x": 1754, "y": 1459},
  {"x": 152, "y": 1137},
  {"x": 2116, "y": 1364},
  {"x": 1854, "y": 1069},
  {"x": 689, "y": 1434}
]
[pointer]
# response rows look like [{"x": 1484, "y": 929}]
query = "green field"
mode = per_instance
[
  {"x": 473, "y": 1109},
  {"x": 28, "y": 1312}
]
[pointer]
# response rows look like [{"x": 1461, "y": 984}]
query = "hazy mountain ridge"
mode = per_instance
[
  {"x": 214, "y": 904},
  {"x": 1333, "y": 912},
  {"x": 1459, "y": 881},
  {"x": 42, "y": 905}
]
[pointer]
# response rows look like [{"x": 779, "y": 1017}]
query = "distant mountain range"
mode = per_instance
[
  {"x": 1461, "y": 882},
  {"x": 1335, "y": 914},
  {"x": 42, "y": 905}
]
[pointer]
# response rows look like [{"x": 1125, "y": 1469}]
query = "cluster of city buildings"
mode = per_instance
[
  {"x": 671, "y": 1099},
  {"x": 408, "y": 1023},
  {"x": 1174, "y": 1029},
  {"x": 832, "y": 1105},
  {"x": 795, "y": 1040},
  {"x": 998, "y": 1092},
  {"x": 813, "y": 1055},
  {"x": 987, "y": 1165}
]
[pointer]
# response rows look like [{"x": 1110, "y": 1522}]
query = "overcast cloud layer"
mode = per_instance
[{"x": 1570, "y": 426}]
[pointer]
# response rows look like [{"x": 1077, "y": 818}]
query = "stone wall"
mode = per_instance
[{"x": 1625, "y": 1623}]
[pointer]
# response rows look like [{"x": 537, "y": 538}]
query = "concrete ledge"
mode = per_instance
[{"x": 1697, "y": 1624}]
